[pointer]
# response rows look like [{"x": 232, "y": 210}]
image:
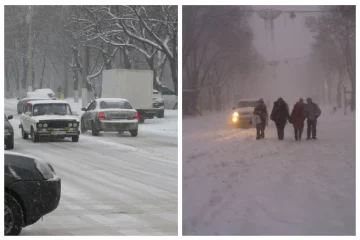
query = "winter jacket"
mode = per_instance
[
  {"x": 298, "y": 115},
  {"x": 280, "y": 112},
  {"x": 312, "y": 111},
  {"x": 261, "y": 111}
]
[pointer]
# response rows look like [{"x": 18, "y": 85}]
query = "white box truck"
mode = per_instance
[{"x": 133, "y": 85}]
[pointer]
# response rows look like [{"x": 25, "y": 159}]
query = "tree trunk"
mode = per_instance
[
  {"x": 66, "y": 78},
  {"x": 76, "y": 84},
  {"x": 338, "y": 94},
  {"x": 24, "y": 75},
  {"x": 42, "y": 73},
  {"x": 353, "y": 96}
]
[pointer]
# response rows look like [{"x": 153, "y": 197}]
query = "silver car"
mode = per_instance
[{"x": 110, "y": 115}]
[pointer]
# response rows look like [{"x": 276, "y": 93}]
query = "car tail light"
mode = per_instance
[
  {"x": 28, "y": 100},
  {"x": 136, "y": 115},
  {"x": 101, "y": 115}
]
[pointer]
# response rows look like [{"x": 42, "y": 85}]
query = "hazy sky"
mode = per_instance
[{"x": 292, "y": 40}]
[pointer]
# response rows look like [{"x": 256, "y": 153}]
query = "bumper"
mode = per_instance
[
  {"x": 39, "y": 197},
  {"x": 58, "y": 133},
  {"x": 119, "y": 125},
  {"x": 8, "y": 137},
  {"x": 242, "y": 121}
]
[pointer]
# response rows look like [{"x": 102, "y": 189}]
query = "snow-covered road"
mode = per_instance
[
  {"x": 112, "y": 184},
  {"x": 236, "y": 185}
]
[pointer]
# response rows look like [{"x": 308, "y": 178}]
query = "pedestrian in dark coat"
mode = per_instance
[
  {"x": 261, "y": 111},
  {"x": 280, "y": 114},
  {"x": 298, "y": 118},
  {"x": 312, "y": 112}
]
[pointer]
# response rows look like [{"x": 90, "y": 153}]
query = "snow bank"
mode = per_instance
[{"x": 236, "y": 185}]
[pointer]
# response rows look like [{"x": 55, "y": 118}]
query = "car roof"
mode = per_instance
[
  {"x": 19, "y": 154},
  {"x": 111, "y": 99},
  {"x": 49, "y": 102},
  {"x": 44, "y": 90}
]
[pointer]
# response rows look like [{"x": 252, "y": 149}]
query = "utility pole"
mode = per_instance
[
  {"x": 84, "y": 92},
  {"x": 30, "y": 67}
]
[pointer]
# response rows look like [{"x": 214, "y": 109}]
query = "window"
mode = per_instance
[
  {"x": 92, "y": 106},
  {"x": 115, "y": 104},
  {"x": 28, "y": 108},
  {"x": 242, "y": 104},
  {"x": 52, "y": 109}
]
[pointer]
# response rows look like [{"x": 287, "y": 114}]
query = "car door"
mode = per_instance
[
  {"x": 88, "y": 115},
  {"x": 26, "y": 117}
]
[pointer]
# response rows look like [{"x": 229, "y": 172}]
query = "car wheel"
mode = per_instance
[
  {"x": 13, "y": 216},
  {"x": 161, "y": 114},
  {"x": 75, "y": 138},
  {"x": 82, "y": 128},
  {"x": 24, "y": 134},
  {"x": 34, "y": 136},
  {"x": 134, "y": 133},
  {"x": 94, "y": 130},
  {"x": 141, "y": 119},
  {"x": 10, "y": 144}
]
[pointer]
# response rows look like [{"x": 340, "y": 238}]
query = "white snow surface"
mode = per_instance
[
  {"x": 236, "y": 185},
  {"x": 112, "y": 184}
]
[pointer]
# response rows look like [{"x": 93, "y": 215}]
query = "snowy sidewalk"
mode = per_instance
[{"x": 236, "y": 185}]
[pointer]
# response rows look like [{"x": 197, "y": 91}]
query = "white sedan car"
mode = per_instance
[{"x": 49, "y": 118}]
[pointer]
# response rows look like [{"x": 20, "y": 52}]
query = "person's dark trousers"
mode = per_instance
[
  {"x": 280, "y": 126},
  {"x": 298, "y": 132},
  {"x": 260, "y": 130},
  {"x": 311, "y": 129}
]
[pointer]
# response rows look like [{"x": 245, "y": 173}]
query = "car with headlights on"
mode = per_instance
[
  {"x": 49, "y": 119},
  {"x": 8, "y": 132},
  {"x": 110, "y": 115},
  {"x": 32, "y": 190},
  {"x": 242, "y": 112},
  {"x": 31, "y": 96}
]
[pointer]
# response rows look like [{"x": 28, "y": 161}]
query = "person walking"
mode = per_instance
[
  {"x": 298, "y": 118},
  {"x": 261, "y": 111},
  {"x": 280, "y": 114},
  {"x": 312, "y": 113}
]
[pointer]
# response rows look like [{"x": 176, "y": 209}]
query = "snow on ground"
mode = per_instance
[{"x": 236, "y": 185}]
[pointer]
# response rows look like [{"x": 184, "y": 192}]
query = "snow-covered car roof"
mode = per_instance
[
  {"x": 111, "y": 99},
  {"x": 36, "y": 95},
  {"x": 49, "y": 102},
  {"x": 44, "y": 90}
]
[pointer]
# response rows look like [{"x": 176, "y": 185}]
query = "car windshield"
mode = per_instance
[
  {"x": 52, "y": 109},
  {"x": 115, "y": 104},
  {"x": 242, "y": 104}
]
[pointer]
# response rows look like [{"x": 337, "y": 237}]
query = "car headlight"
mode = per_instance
[
  {"x": 75, "y": 124},
  {"x": 235, "y": 114},
  {"x": 70, "y": 124},
  {"x": 234, "y": 119},
  {"x": 45, "y": 125},
  {"x": 40, "y": 125},
  {"x": 45, "y": 169}
]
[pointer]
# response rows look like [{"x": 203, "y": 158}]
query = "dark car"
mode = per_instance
[
  {"x": 32, "y": 190},
  {"x": 9, "y": 133},
  {"x": 31, "y": 96}
]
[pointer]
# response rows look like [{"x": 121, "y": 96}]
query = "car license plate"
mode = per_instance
[{"x": 57, "y": 132}]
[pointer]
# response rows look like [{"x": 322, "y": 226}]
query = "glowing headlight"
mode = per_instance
[
  {"x": 70, "y": 124},
  {"x": 40, "y": 125},
  {"x": 234, "y": 119},
  {"x": 75, "y": 124},
  {"x": 45, "y": 125},
  {"x": 236, "y": 114}
]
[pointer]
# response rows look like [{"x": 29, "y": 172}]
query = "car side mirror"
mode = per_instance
[
  {"x": 83, "y": 109},
  {"x": 10, "y": 117}
]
